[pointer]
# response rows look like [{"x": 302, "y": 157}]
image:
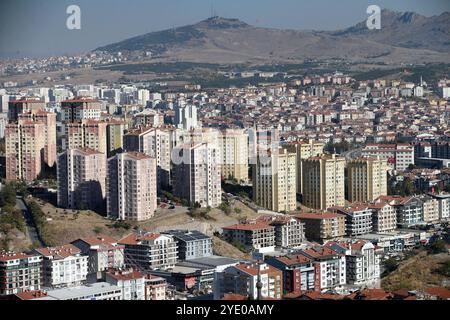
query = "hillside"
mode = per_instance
[{"x": 404, "y": 37}]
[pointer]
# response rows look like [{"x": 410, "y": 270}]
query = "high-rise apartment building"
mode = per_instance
[
  {"x": 323, "y": 182},
  {"x": 79, "y": 109},
  {"x": 131, "y": 186},
  {"x": 24, "y": 105},
  {"x": 274, "y": 181},
  {"x": 81, "y": 179},
  {"x": 304, "y": 150},
  {"x": 197, "y": 174},
  {"x": 367, "y": 179},
  {"x": 86, "y": 134},
  {"x": 156, "y": 143},
  {"x": 234, "y": 154},
  {"x": 186, "y": 116}
]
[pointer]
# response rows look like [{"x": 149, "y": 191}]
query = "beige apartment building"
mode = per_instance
[
  {"x": 323, "y": 182},
  {"x": 131, "y": 187},
  {"x": 304, "y": 150},
  {"x": 384, "y": 216},
  {"x": 430, "y": 209},
  {"x": 81, "y": 179},
  {"x": 197, "y": 174},
  {"x": 234, "y": 154},
  {"x": 86, "y": 134},
  {"x": 322, "y": 226},
  {"x": 274, "y": 181},
  {"x": 367, "y": 179}
]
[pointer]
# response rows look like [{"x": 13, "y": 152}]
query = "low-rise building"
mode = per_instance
[
  {"x": 103, "y": 253},
  {"x": 19, "y": 272},
  {"x": 191, "y": 244},
  {"x": 298, "y": 272},
  {"x": 155, "y": 288},
  {"x": 358, "y": 218},
  {"x": 150, "y": 251},
  {"x": 131, "y": 282},
  {"x": 322, "y": 226},
  {"x": 384, "y": 216},
  {"x": 252, "y": 235},
  {"x": 362, "y": 262},
  {"x": 289, "y": 231},
  {"x": 63, "y": 266},
  {"x": 243, "y": 278},
  {"x": 93, "y": 291}
]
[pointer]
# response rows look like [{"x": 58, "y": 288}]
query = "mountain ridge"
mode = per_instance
[{"x": 404, "y": 37}]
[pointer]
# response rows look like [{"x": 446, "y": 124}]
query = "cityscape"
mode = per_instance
[{"x": 222, "y": 160}]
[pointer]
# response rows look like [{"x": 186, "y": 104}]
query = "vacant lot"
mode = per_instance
[
  {"x": 66, "y": 225},
  {"x": 417, "y": 273}
]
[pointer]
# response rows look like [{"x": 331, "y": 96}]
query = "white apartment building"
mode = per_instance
[
  {"x": 63, "y": 266},
  {"x": 444, "y": 205},
  {"x": 197, "y": 174},
  {"x": 131, "y": 282},
  {"x": 358, "y": 218},
  {"x": 150, "y": 251},
  {"x": 384, "y": 216},
  {"x": 330, "y": 268},
  {"x": 362, "y": 263},
  {"x": 186, "y": 116},
  {"x": 398, "y": 157},
  {"x": 131, "y": 187}
]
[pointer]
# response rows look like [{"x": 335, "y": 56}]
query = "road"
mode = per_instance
[
  {"x": 352, "y": 154},
  {"x": 32, "y": 232}
]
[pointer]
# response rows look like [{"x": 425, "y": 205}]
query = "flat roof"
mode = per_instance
[{"x": 74, "y": 292}]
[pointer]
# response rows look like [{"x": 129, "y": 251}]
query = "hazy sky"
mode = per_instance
[{"x": 38, "y": 27}]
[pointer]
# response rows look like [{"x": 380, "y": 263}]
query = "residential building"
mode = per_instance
[
  {"x": 323, "y": 182},
  {"x": 234, "y": 154},
  {"x": 114, "y": 136},
  {"x": 191, "y": 244},
  {"x": 150, "y": 251},
  {"x": 409, "y": 210},
  {"x": 155, "y": 288},
  {"x": 358, "y": 218},
  {"x": 304, "y": 150},
  {"x": 197, "y": 174},
  {"x": 131, "y": 187},
  {"x": 367, "y": 179},
  {"x": 330, "y": 268},
  {"x": 156, "y": 143},
  {"x": 81, "y": 178},
  {"x": 322, "y": 226},
  {"x": 186, "y": 116},
  {"x": 24, "y": 105},
  {"x": 19, "y": 272},
  {"x": 252, "y": 235},
  {"x": 86, "y": 134},
  {"x": 131, "y": 282},
  {"x": 430, "y": 209},
  {"x": 243, "y": 278},
  {"x": 103, "y": 254},
  {"x": 384, "y": 216},
  {"x": 399, "y": 157},
  {"x": 274, "y": 181},
  {"x": 444, "y": 205},
  {"x": 63, "y": 266},
  {"x": 298, "y": 272},
  {"x": 289, "y": 230},
  {"x": 362, "y": 262},
  {"x": 30, "y": 144},
  {"x": 79, "y": 109}
]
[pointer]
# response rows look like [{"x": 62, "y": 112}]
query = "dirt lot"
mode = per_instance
[
  {"x": 66, "y": 225},
  {"x": 417, "y": 273}
]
